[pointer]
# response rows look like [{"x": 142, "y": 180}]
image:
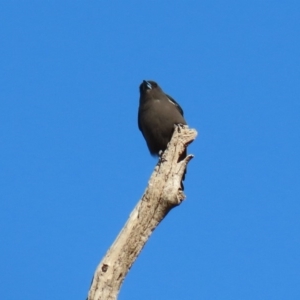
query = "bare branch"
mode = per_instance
[{"x": 162, "y": 194}]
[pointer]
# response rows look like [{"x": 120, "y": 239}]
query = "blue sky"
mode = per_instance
[{"x": 74, "y": 164}]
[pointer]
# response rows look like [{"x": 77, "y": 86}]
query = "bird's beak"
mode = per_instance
[{"x": 147, "y": 84}]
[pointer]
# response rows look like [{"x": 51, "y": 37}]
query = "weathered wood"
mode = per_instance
[{"x": 162, "y": 194}]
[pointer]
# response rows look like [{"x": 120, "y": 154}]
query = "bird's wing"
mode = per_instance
[{"x": 175, "y": 103}]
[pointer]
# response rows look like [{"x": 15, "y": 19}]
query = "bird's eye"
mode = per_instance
[{"x": 154, "y": 84}]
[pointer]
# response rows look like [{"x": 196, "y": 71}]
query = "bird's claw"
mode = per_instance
[{"x": 160, "y": 155}]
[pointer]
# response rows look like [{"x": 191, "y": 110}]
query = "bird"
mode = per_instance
[{"x": 157, "y": 114}]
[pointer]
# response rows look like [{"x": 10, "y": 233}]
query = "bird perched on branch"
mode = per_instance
[{"x": 158, "y": 112}]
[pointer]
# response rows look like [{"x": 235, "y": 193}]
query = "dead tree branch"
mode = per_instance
[{"x": 162, "y": 194}]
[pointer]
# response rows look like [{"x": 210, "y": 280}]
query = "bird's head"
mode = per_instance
[{"x": 148, "y": 86}]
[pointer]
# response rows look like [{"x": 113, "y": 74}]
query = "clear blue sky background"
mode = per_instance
[{"x": 73, "y": 163}]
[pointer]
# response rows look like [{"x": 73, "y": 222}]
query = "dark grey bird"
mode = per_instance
[{"x": 158, "y": 112}]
